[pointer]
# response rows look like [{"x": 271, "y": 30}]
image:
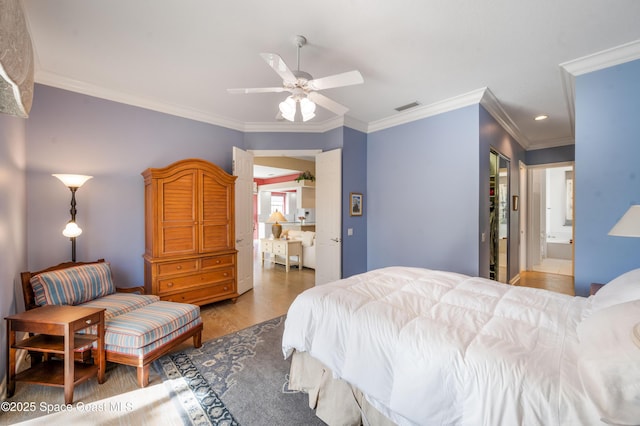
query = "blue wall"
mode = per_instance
[
  {"x": 423, "y": 194},
  {"x": 293, "y": 141},
  {"x": 73, "y": 133},
  {"x": 559, "y": 154},
  {"x": 13, "y": 251},
  {"x": 354, "y": 179},
  {"x": 607, "y": 171}
]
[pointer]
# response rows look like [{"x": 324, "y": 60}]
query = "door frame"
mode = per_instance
[{"x": 530, "y": 215}]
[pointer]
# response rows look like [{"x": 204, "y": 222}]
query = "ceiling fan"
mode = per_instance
[{"x": 303, "y": 87}]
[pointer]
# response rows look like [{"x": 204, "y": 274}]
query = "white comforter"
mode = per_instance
[{"x": 438, "y": 348}]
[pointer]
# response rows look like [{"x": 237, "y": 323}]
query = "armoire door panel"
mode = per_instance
[
  {"x": 178, "y": 240},
  {"x": 215, "y": 200},
  {"x": 178, "y": 214},
  {"x": 215, "y": 238},
  {"x": 178, "y": 198}
]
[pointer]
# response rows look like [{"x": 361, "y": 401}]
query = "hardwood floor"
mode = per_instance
[
  {"x": 554, "y": 282},
  {"x": 272, "y": 293},
  {"x": 274, "y": 290}
]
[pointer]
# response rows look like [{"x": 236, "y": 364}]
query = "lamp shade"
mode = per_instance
[
  {"x": 72, "y": 230},
  {"x": 73, "y": 181},
  {"x": 276, "y": 217},
  {"x": 307, "y": 108},
  {"x": 288, "y": 108},
  {"x": 629, "y": 224}
]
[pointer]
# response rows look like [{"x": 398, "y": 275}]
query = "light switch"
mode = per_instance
[{"x": 350, "y": 231}]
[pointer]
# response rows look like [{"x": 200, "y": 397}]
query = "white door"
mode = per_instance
[
  {"x": 522, "y": 211},
  {"x": 328, "y": 216},
  {"x": 243, "y": 169}
]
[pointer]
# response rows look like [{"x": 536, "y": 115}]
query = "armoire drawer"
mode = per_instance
[
  {"x": 179, "y": 267},
  {"x": 217, "y": 261},
  {"x": 179, "y": 283},
  {"x": 198, "y": 295}
]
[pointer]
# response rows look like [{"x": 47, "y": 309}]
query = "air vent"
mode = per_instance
[{"x": 407, "y": 106}]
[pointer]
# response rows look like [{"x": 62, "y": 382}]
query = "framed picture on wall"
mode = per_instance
[{"x": 355, "y": 204}]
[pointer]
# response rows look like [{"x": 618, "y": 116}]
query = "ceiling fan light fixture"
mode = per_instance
[
  {"x": 307, "y": 108},
  {"x": 288, "y": 108}
]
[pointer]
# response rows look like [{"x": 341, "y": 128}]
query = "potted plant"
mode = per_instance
[{"x": 306, "y": 176}]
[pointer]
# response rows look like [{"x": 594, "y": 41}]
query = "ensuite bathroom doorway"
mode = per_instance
[{"x": 550, "y": 234}]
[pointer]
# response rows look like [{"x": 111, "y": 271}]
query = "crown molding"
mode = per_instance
[
  {"x": 604, "y": 59},
  {"x": 481, "y": 96},
  {"x": 54, "y": 80},
  {"x": 492, "y": 105},
  {"x": 425, "y": 111},
  {"x": 597, "y": 61},
  {"x": 294, "y": 127},
  {"x": 355, "y": 124},
  {"x": 552, "y": 143}
]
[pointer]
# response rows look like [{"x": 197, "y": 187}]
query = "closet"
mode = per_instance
[
  {"x": 498, "y": 217},
  {"x": 190, "y": 253}
]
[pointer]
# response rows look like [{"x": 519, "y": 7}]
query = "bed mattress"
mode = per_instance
[{"x": 438, "y": 348}]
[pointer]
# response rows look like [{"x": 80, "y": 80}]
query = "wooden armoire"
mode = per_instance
[{"x": 190, "y": 253}]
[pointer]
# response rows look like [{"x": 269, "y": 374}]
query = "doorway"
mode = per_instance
[
  {"x": 329, "y": 189},
  {"x": 499, "y": 218},
  {"x": 550, "y": 246},
  {"x": 278, "y": 185}
]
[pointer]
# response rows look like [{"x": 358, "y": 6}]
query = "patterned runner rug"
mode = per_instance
[{"x": 238, "y": 379}]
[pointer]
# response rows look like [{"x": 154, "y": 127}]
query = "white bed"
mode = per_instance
[{"x": 437, "y": 348}]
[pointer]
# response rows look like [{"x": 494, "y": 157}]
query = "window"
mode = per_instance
[{"x": 278, "y": 202}]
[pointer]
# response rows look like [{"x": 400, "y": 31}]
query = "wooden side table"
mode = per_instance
[{"x": 54, "y": 328}]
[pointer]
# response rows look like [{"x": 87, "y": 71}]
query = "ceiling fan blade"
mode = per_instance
[
  {"x": 279, "y": 66},
  {"x": 327, "y": 103},
  {"x": 337, "y": 80},
  {"x": 257, "y": 90}
]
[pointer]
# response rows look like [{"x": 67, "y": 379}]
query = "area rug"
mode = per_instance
[{"x": 238, "y": 379}]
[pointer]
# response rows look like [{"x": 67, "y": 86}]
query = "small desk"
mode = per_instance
[
  {"x": 54, "y": 328},
  {"x": 280, "y": 252}
]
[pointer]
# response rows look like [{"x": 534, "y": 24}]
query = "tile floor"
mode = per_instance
[{"x": 555, "y": 266}]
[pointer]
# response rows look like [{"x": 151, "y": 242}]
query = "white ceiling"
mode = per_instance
[
  {"x": 181, "y": 56},
  {"x": 266, "y": 172}
]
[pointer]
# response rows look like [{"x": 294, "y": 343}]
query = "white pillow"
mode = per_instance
[
  {"x": 295, "y": 234},
  {"x": 622, "y": 289},
  {"x": 609, "y": 362}
]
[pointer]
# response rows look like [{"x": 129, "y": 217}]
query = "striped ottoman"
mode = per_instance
[{"x": 141, "y": 331}]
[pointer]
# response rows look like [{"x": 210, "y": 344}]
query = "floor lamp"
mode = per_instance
[{"x": 72, "y": 230}]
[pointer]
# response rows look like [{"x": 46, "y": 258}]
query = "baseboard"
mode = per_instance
[
  {"x": 3, "y": 388},
  {"x": 515, "y": 280}
]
